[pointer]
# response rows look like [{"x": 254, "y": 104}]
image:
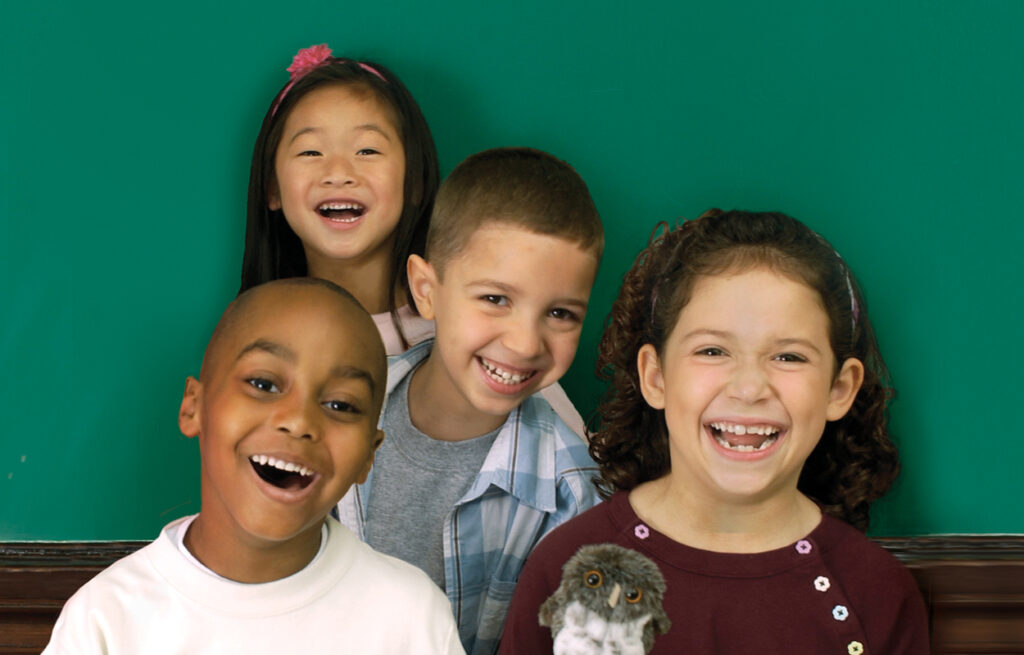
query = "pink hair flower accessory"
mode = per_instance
[
  {"x": 303, "y": 62},
  {"x": 307, "y": 59}
]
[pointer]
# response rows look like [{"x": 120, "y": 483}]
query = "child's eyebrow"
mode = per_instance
[
  {"x": 368, "y": 127},
  {"x": 270, "y": 347},
  {"x": 509, "y": 289},
  {"x": 287, "y": 354},
  {"x": 782, "y": 343},
  {"x": 373, "y": 127},
  {"x": 493, "y": 283},
  {"x": 305, "y": 130},
  {"x": 355, "y": 373},
  {"x": 719, "y": 334},
  {"x": 723, "y": 334}
]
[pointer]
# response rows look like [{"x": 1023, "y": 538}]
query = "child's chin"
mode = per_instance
[{"x": 280, "y": 533}]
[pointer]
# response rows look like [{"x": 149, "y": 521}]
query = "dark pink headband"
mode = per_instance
[{"x": 309, "y": 59}]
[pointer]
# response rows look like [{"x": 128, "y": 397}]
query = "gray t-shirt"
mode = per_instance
[{"x": 416, "y": 482}]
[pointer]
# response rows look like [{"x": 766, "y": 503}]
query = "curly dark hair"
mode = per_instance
[
  {"x": 854, "y": 463},
  {"x": 272, "y": 249}
]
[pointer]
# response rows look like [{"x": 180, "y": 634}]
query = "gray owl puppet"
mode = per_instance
[{"x": 609, "y": 601}]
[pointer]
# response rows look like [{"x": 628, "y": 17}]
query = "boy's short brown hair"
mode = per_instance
[{"x": 515, "y": 186}]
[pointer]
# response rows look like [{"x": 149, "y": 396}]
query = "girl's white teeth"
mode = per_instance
[
  {"x": 342, "y": 212},
  {"x": 503, "y": 376},
  {"x": 291, "y": 467},
  {"x": 740, "y": 430},
  {"x": 340, "y": 206},
  {"x": 746, "y": 448},
  {"x": 721, "y": 428}
]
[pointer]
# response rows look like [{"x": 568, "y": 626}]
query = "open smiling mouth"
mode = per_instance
[
  {"x": 502, "y": 376},
  {"x": 345, "y": 212},
  {"x": 281, "y": 474},
  {"x": 744, "y": 438}
]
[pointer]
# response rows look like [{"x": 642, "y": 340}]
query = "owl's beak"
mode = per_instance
[{"x": 613, "y": 599}]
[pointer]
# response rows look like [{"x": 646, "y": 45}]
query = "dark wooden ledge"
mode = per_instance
[
  {"x": 37, "y": 577},
  {"x": 973, "y": 586}
]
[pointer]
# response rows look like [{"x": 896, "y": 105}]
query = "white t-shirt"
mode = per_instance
[
  {"x": 349, "y": 599},
  {"x": 417, "y": 329}
]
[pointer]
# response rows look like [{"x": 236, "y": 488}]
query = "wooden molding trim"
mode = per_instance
[
  {"x": 65, "y": 553},
  {"x": 955, "y": 546},
  {"x": 35, "y": 580},
  {"x": 973, "y": 586}
]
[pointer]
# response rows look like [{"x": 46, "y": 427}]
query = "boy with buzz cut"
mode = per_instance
[
  {"x": 286, "y": 409},
  {"x": 477, "y": 466}
]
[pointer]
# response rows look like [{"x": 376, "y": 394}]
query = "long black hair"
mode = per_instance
[{"x": 272, "y": 249}]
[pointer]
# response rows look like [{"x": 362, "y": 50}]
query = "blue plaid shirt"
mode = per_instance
[{"x": 536, "y": 476}]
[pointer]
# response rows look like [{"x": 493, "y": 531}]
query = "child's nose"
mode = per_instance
[
  {"x": 296, "y": 417},
  {"x": 749, "y": 382},
  {"x": 338, "y": 171},
  {"x": 524, "y": 339}
]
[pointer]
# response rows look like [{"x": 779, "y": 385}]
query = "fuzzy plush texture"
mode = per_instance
[{"x": 609, "y": 601}]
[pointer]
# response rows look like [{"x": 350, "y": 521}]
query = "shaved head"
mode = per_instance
[{"x": 272, "y": 297}]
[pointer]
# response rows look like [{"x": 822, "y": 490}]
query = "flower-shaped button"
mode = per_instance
[
  {"x": 821, "y": 583},
  {"x": 839, "y": 612},
  {"x": 855, "y": 648},
  {"x": 803, "y": 547},
  {"x": 642, "y": 531}
]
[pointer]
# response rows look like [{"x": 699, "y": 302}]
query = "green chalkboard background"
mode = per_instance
[{"x": 895, "y": 128}]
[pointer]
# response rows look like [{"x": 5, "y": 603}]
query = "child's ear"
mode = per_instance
[
  {"x": 652, "y": 382},
  {"x": 422, "y": 282},
  {"x": 378, "y": 439},
  {"x": 844, "y": 389},
  {"x": 273, "y": 197},
  {"x": 188, "y": 415}
]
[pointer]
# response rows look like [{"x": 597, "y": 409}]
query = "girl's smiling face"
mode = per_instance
[
  {"x": 747, "y": 379},
  {"x": 340, "y": 176}
]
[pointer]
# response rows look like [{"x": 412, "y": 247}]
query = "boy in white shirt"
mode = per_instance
[{"x": 286, "y": 410}]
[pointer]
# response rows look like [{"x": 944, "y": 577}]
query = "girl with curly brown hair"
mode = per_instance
[{"x": 742, "y": 442}]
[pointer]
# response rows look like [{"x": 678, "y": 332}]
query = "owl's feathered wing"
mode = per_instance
[{"x": 552, "y": 610}]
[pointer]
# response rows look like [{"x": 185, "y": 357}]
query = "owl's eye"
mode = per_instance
[
  {"x": 634, "y": 595},
  {"x": 593, "y": 579}
]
